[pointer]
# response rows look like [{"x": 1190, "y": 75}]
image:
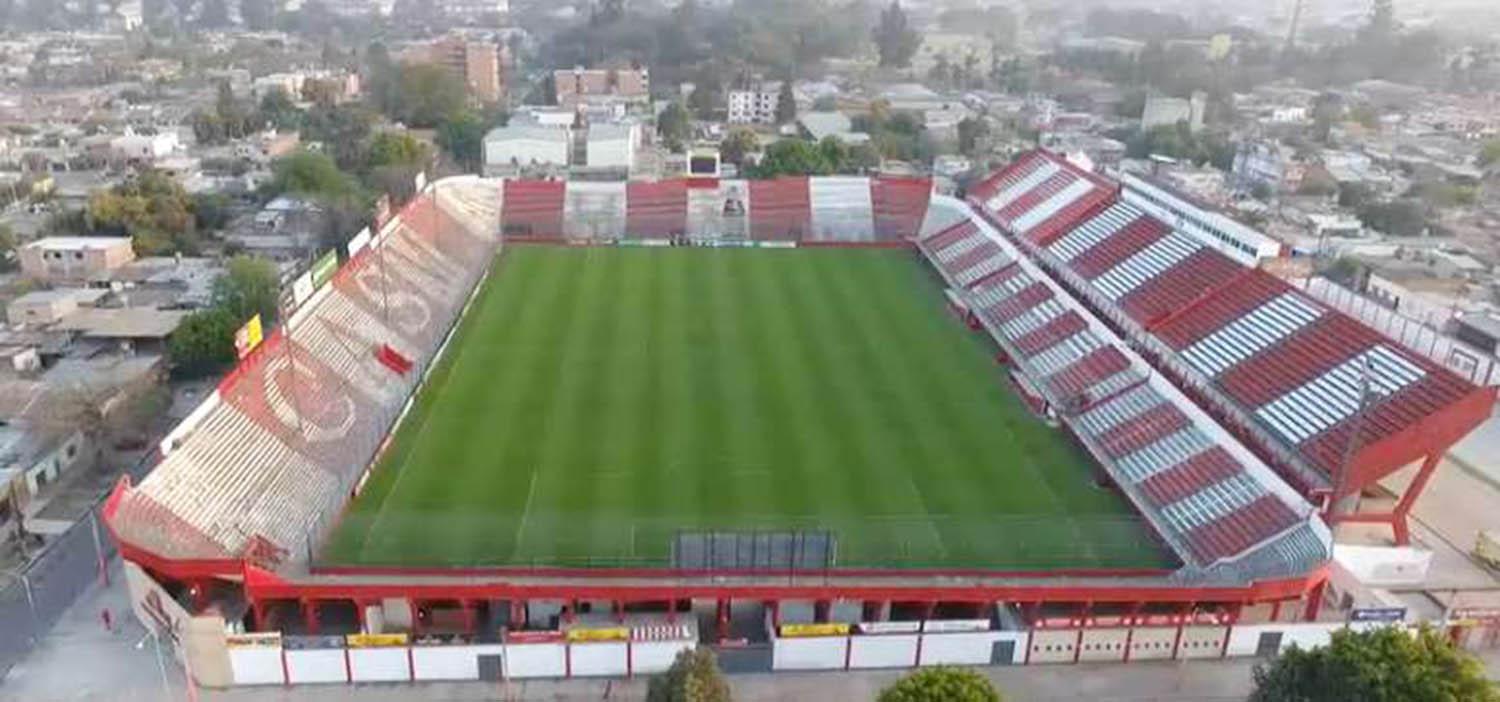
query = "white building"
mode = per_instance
[
  {"x": 144, "y": 147},
  {"x": 612, "y": 146},
  {"x": 755, "y": 106},
  {"x": 1166, "y": 112},
  {"x": 474, "y": 10},
  {"x": 288, "y": 83},
  {"x": 1262, "y": 163},
  {"x": 1213, "y": 228},
  {"x": 507, "y": 150}
]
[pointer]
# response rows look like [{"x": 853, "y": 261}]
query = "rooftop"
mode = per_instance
[
  {"x": 79, "y": 243},
  {"x": 123, "y": 323}
]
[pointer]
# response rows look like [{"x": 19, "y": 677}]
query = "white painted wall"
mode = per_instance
[
  {"x": 379, "y": 664},
  {"x": 324, "y": 665},
  {"x": 1054, "y": 646},
  {"x": 970, "y": 648},
  {"x": 596, "y": 659},
  {"x": 819, "y": 653},
  {"x": 1201, "y": 642},
  {"x": 655, "y": 656},
  {"x": 1244, "y": 638},
  {"x": 450, "y": 662},
  {"x": 883, "y": 651},
  {"x": 256, "y": 665},
  {"x": 1152, "y": 643},
  {"x": 535, "y": 660}
]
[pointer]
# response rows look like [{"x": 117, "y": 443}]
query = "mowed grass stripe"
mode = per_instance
[{"x": 648, "y": 391}]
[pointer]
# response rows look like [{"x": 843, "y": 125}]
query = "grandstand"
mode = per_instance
[
  {"x": 1285, "y": 373},
  {"x": 1226, "y": 409}
]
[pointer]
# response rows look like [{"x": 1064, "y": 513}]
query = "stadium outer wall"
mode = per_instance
[{"x": 292, "y": 614}]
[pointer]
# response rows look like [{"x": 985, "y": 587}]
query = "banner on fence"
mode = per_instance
[
  {"x": 825, "y": 629},
  {"x": 324, "y": 268},
  {"x": 360, "y": 242},
  {"x": 525, "y": 637},
  {"x": 248, "y": 337},
  {"x": 376, "y": 640},
  {"x": 890, "y": 627},
  {"x": 267, "y": 639},
  {"x": 947, "y": 626},
  {"x": 614, "y": 633}
]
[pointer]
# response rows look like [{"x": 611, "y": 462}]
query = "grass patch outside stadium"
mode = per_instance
[{"x": 597, "y": 402}]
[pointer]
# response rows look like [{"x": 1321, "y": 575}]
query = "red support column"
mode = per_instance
[
  {"x": 570, "y": 611},
  {"x": 1409, "y": 498},
  {"x": 310, "y": 615},
  {"x": 721, "y": 616},
  {"x": 618, "y": 607},
  {"x": 470, "y": 621},
  {"x": 258, "y": 610},
  {"x": 359, "y": 616},
  {"x": 1276, "y": 611},
  {"x": 672, "y": 611},
  {"x": 776, "y": 613},
  {"x": 416, "y": 617},
  {"x": 1314, "y": 602}
]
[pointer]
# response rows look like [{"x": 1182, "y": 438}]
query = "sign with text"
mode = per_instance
[
  {"x": 533, "y": 636},
  {"x": 264, "y": 639},
  {"x": 826, "y": 629},
  {"x": 1377, "y": 614},
  {"x": 248, "y": 337},
  {"x": 954, "y": 625},
  {"x": 617, "y": 633},
  {"x": 890, "y": 627},
  {"x": 376, "y": 640}
]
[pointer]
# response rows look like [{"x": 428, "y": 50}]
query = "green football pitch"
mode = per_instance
[{"x": 596, "y": 403}]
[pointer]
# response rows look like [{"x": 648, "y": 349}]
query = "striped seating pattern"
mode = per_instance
[{"x": 274, "y": 460}]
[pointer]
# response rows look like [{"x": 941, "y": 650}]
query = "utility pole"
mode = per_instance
[
  {"x": 1291, "y": 34},
  {"x": 1341, "y": 480}
]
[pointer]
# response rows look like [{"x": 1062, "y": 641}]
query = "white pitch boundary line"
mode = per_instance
[{"x": 525, "y": 511}]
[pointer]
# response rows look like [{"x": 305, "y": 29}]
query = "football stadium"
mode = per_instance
[{"x": 546, "y": 429}]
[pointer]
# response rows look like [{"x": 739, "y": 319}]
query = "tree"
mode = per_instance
[
  {"x": 1489, "y": 154},
  {"x": 1396, "y": 218},
  {"x": 426, "y": 94},
  {"x": 152, "y": 209},
  {"x": 786, "y": 104},
  {"x": 675, "y": 126},
  {"x": 462, "y": 136},
  {"x": 693, "y": 677},
  {"x": 249, "y": 286},
  {"x": 708, "y": 95},
  {"x": 1388, "y": 664},
  {"x": 941, "y": 684},
  {"x": 8, "y": 260},
  {"x": 739, "y": 142},
  {"x": 396, "y": 149},
  {"x": 276, "y": 109},
  {"x": 311, "y": 174},
  {"x": 972, "y": 131},
  {"x": 793, "y": 157},
  {"x": 895, "y": 40},
  {"x": 203, "y": 343},
  {"x": 344, "y": 131}
]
